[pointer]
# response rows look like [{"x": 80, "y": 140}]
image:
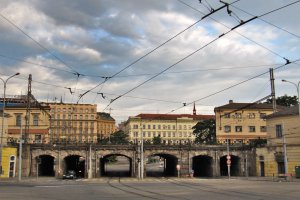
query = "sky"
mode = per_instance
[{"x": 133, "y": 56}]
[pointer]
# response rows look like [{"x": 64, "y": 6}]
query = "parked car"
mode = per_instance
[{"x": 70, "y": 174}]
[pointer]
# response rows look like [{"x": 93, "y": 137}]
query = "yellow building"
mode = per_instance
[
  {"x": 73, "y": 123},
  {"x": 172, "y": 128},
  {"x": 5, "y": 127},
  {"x": 35, "y": 129},
  {"x": 283, "y": 125},
  {"x": 106, "y": 125},
  {"x": 241, "y": 122},
  {"x": 9, "y": 159}
]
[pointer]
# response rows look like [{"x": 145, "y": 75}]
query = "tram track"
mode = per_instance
[
  {"x": 226, "y": 192},
  {"x": 129, "y": 191}
]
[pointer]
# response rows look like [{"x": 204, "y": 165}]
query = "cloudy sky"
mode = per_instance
[{"x": 120, "y": 55}]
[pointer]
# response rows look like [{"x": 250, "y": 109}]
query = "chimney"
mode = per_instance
[{"x": 230, "y": 101}]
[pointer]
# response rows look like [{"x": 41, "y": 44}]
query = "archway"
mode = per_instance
[
  {"x": 202, "y": 166},
  {"x": 45, "y": 165},
  {"x": 161, "y": 165},
  {"x": 116, "y": 165},
  {"x": 76, "y": 163},
  {"x": 234, "y": 166}
]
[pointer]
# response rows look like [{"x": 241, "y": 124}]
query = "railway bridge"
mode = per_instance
[{"x": 93, "y": 160}]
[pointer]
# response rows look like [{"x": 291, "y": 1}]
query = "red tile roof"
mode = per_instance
[{"x": 174, "y": 116}]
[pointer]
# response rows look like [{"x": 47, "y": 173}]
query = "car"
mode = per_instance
[{"x": 70, "y": 174}]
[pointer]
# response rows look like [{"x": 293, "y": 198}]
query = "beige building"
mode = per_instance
[
  {"x": 241, "y": 122},
  {"x": 106, "y": 125},
  {"x": 172, "y": 128},
  {"x": 5, "y": 127},
  {"x": 73, "y": 123},
  {"x": 35, "y": 129},
  {"x": 283, "y": 125}
]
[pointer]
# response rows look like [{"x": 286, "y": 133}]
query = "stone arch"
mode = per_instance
[
  {"x": 167, "y": 165},
  {"x": 234, "y": 165},
  {"x": 116, "y": 165},
  {"x": 45, "y": 165},
  {"x": 76, "y": 163},
  {"x": 202, "y": 166}
]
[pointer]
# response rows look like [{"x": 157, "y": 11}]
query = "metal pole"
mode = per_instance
[
  {"x": 37, "y": 167},
  {"x": 284, "y": 150},
  {"x": 142, "y": 153},
  {"x": 90, "y": 162},
  {"x": 3, "y": 108},
  {"x": 20, "y": 154},
  {"x": 246, "y": 163},
  {"x": 228, "y": 165}
]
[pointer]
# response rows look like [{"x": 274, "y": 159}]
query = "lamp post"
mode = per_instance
[
  {"x": 3, "y": 107},
  {"x": 297, "y": 86}
]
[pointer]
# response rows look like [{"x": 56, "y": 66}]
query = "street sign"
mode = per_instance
[
  {"x": 228, "y": 162},
  {"x": 228, "y": 157},
  {"x": 178, "y": 167}
]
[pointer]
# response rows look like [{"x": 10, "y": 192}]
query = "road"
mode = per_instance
[{"x": 150, "y": 188}]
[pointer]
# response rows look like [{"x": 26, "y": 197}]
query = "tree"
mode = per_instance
[
  {"x": 205, "y": 131},
  {"x": 156, "y": 140},
  {"x": 119, "y": 137},
  {"x": 285, "y": 100}
]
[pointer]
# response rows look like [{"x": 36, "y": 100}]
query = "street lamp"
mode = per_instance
[
  {"x": 3, "y": 107},
  {"x": 297, "y": 86}
]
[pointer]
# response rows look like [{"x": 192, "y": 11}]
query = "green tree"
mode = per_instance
[
  {"x": 205, "y": 131},
  {"x": 285, "y": 100},
  {"x": 156, "y": 140},
  {"x": 119, "y": 137}
]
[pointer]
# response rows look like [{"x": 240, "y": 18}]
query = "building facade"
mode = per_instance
[
  {"x": 73, "y": 123},
  {"x": 9, "y": 162},
  {"x": 283, "y": 127},
  {"x": 32, "y": 120},
  {"x": 106, "y": 125},
  {"x": 241, "y": 122},
  {"x": 172, "y": 128}
]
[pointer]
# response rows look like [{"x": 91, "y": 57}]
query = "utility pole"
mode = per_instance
[
  {"x": 284, "y": 151},
  {"x": 228, "y": 159},
  {"x": 142, "y": 152},
  {"x": 28, "y": 109},
  {"x": 20, "y": 153},
  {"x": 273, "y": 90},
  {"x": 90, "y": 162}
]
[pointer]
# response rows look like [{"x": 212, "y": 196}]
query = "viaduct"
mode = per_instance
[{"x": 90, "y": 160}]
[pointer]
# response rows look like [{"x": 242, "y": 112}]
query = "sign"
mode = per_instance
[
  {"x": 228, "y": 157},
  {"x": 178, "y": 167}
]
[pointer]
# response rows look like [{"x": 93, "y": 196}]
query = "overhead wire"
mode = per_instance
[
  {"x": 232, "y": 86},
  {"x": 151, "y": 51},
  {"x": 36, "y": 42}
]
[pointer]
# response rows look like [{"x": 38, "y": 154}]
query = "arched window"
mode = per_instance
[{"x": 12, "y": 164}]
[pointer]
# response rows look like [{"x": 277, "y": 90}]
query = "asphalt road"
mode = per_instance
[{"x": 150, "y": 188}]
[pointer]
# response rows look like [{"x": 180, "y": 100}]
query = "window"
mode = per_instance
[
  {"x": 149, "y": 134},
  {"x": 35, "y": 120},
  {"x": 75, "y": 116},
  {"x": 158, "y": 126},
  {"x": 58, "y": 116},
  {"x": 92, "y": 116},
  {"x": 169, "y": 127},
  {"x": 86, "y": 110},
  {"x": 262, "y": 115},
  {"x": 179, "y": 127},
  {"x": 86, "y": 117},
  {"x": 251, "y": 115},
  {"x": 227, "y": 129},
  {"x": 278, "y": 131},
  {"x": 226, "y": 115},
  {"x": 238, "y": 129},
  {"x": 64, "y": 116},
  {"x": 64, "y": 109},
  {"x": 263, "y": 129},
  {"x": 153, "y": 126},
  {"x": 251, "y": 129},
  {"x": 135, "y": 126},
  {"x": 80, "y": 116},
  {"x": 149, "y": 126},
  {"x": 86, "y": 124},
  {"x": 18, "y": 120},
  {"x": 174, "y": 127},
  {"x": 38, "y": 139},
  {"x": 238, "y": 115}
]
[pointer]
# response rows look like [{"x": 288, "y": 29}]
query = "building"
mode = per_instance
[
  {"x": 9, "y": 161},
  {"x": 242, "y": 122},
  {"x": 4, "y": 126},
  {"x": 32, "y": 118},
  {"x": 283, "y": 127},
  {"x": 172, "y": 128},
  {"x": 73, "y": 123},
  {"x": 106, "y": 125}
]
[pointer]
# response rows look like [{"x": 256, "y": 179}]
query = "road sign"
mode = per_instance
[
  {"x": 178, "y": 167},
  {"x": 228, "y": 157},
  {"x": 228, "y": 162}
]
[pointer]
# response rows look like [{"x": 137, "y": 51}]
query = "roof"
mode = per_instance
[
  {"x": 290, "y": 111},
  {"x": 174, "y": 116},
  {"x": 105, "y": 116},
  {"x": 251, "y": 106}
]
